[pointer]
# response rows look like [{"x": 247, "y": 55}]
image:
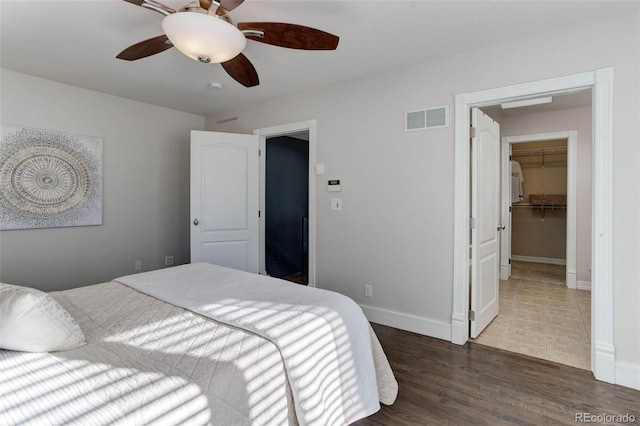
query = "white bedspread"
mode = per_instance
[
  {"x": 146, "y": 362},
  {"x": 324, "y": 338}
]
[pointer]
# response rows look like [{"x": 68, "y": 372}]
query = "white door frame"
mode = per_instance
[
  {"x": 285, "y": 129},
  {"x": 601, "y": 83},
  {"x": 572, "y": 143}
]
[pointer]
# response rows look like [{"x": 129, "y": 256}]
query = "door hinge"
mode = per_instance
[
  {"x": 510, "y": 209},
  {"x": 472, "y": 132},
  {"x": 509, "y": 261},
  {"x": 472, "y": 223},
  {"x": 472, "y": 315},
  {"x": 259, "y": 213},
  {"x": 259, "y": 153}
]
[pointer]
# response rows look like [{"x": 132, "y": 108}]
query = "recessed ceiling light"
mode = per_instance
[
  {"x": 215, "y": 85},
  {"x": 527, "y": 102}
]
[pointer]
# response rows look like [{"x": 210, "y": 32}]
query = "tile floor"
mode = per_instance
[{"x": 541, "y": 317}]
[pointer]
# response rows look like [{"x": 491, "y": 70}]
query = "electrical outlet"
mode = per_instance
[
  {"x": 137, "y": 265},
  {"x": 168, "y": 260},
  {"x": 368, "y": 291}
]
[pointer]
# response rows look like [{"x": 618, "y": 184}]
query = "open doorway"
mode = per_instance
[
  {"x": 601, "y": 82},
  {"x": 286, "y": 212},
  {"x": 549, "y": 161},
  {"x": 289, "y": 144},
  {"x": 539, "y": 213}
]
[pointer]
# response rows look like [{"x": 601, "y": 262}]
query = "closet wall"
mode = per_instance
[{"x": 539, "y": 230}]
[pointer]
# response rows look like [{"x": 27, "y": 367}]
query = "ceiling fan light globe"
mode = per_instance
[{"x": 198, "y": 35}]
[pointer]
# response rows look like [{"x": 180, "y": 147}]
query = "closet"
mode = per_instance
[{"x": 539, "y": 220}]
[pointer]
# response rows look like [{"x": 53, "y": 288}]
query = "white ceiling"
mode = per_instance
[{"x": 75, "y": 42}]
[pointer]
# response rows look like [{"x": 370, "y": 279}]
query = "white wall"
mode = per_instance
[
  {"x": 555, "y": 121},
  {"x": 145, "y": 186},
  {"x": 396, "y": 228}
]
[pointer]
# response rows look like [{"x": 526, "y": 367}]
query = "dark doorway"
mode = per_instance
[{"x": 287, "y": 207}]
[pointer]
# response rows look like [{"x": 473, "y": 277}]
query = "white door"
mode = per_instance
[
  {"x": 485, "y": 211},
  {"x": 224, "y": 199}
]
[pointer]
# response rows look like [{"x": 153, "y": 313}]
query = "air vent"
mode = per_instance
[
  {"x": 226, "y": 120},
  {"x": 429, "y": 118}
]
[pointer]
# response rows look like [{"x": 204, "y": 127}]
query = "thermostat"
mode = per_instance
[{"x": 334, "y": 186}]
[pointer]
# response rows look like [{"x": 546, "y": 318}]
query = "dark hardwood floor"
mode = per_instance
[{"x": 445, "y": 384}]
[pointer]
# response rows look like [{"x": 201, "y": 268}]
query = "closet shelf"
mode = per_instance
[
  {"x": 539, "y": 151},
  {"x": 545, "y": 201}
]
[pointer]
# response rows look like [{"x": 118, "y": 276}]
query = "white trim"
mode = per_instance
[
  {"x": 601, "y": 81},
  {"x": 310, "y": 126},
  {"x": 415, "y": 324},
  {"x": 583, "y": 285},
  {"x": 628, "y": 375},
  {"x": 534, "y": 259},
  {"x": 505, "y": 205},
  {"x": 603, "y": 357},
  {"x": 572, "y": 221}
]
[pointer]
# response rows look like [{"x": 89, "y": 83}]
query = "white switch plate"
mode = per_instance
[
  {"x": 320, "y": 169},
  {"x": 336, "y": 204}
]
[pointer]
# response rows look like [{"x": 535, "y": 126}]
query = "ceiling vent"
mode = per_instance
[{"x": 429, "y": 118}]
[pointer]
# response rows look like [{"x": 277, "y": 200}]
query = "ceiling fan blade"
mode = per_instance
[
  {"x": 145, "y": 48},
  {"x": 226, "y": 5},
  {"x": 291, "y": 35},
  {"x": 241, "y": 70}
]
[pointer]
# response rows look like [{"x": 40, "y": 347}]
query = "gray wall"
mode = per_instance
[
  {"x": 396, "y": 228},
  {"x": 145, "y": 186}
]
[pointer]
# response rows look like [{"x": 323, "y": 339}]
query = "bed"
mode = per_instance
[{"x": 202, "y": 344}]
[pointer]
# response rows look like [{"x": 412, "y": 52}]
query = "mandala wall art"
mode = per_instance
[{"x": 49, "y": 179}]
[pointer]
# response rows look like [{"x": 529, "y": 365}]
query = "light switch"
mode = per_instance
[
  {"x": 319, "y": 169},
  {"x": 336, "y": 204}
]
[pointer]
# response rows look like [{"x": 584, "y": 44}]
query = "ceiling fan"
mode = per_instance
[{"x": 203, "y": 31}]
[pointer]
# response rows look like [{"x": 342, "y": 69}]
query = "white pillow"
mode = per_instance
[{"x": 32, "y": 321}]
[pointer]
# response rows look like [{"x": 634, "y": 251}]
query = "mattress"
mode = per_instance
[{"x": 146, "y": 362}]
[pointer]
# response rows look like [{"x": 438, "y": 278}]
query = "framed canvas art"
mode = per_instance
[{"x": 49, "y": 179}]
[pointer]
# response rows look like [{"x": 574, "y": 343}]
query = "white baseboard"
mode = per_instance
[
  {"x": 415, "y": 324},
  {"x": 628, "y": 375},
  {"x": 572, "y": 280},
  {"x": 532, "y": 259},
  {"x": 584, "y": 285},
  {"x": 505, "y": 272}
]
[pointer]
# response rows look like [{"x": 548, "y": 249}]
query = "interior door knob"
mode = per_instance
[
  {"x": 501, "y": 227},
  {"x": 196, "y": 222}
]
